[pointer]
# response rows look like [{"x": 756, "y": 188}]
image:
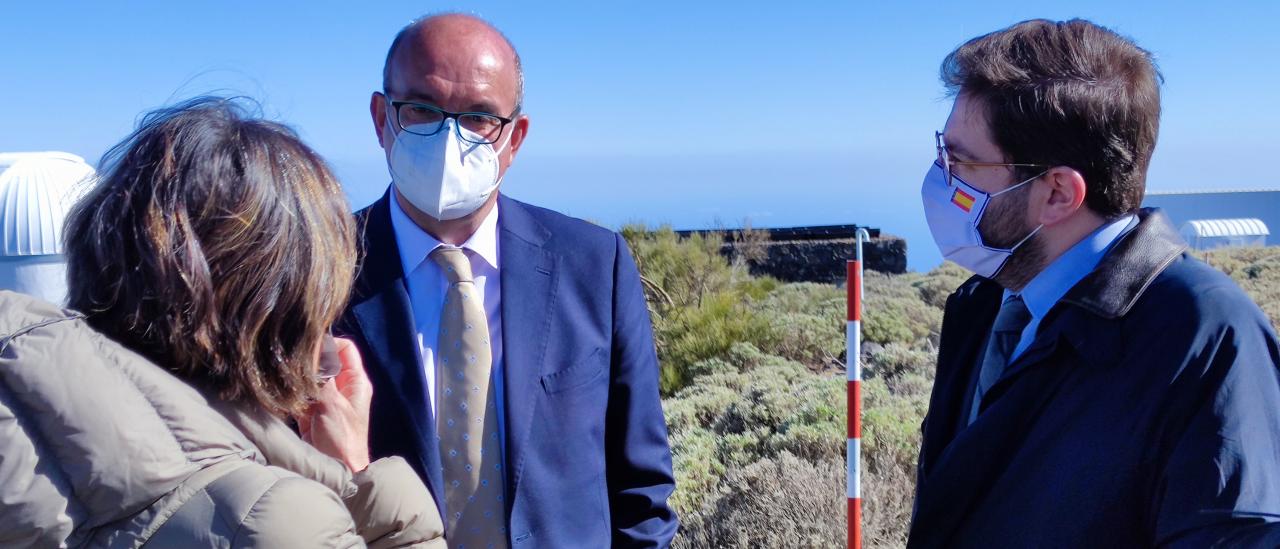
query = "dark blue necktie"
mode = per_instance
[{"x": 1005, "y": 334}]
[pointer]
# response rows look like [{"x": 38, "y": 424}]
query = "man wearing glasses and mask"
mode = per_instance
[
  {"x": 1096, "y": 385},
  {"x": 509, "y": 346}
]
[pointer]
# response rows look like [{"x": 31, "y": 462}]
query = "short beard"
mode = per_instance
[
  {"x": 1006, "y": 228},
  {"x": 1025, "y": 263}
]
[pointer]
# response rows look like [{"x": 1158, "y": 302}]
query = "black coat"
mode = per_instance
[{"x": 1146, "y": 412}]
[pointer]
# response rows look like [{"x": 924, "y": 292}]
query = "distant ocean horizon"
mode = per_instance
[{"x": 782, "y": 189}]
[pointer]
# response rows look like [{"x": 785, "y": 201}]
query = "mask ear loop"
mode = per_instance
[
  {"x": 497, "y": 151},
  {"x": 510, "y": 135},
  {"x": 1024, "y": 182},
  {"x": 1034, "y": 231},
  {"x": 1026, "y": 238},
  {"x": 1015, "y": 247}
]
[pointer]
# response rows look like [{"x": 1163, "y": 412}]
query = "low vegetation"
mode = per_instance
[{"x": 753, "y": 383}]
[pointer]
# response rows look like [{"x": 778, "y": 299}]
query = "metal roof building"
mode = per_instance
[
  {"x": 1206, "y": 234},
  {"x": 1182, "y": 207}
]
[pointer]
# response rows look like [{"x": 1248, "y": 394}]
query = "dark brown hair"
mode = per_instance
[
  {"x": 218, "y": 245},
  {"x": 1067, "y": 94}
]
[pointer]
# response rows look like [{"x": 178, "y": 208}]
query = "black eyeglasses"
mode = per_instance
[
  {"x": 944, "y": 160},
  {"x": 423, "y": 119}
]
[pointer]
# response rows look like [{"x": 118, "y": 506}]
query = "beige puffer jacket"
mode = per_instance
[{"x": 101, "y": 448}]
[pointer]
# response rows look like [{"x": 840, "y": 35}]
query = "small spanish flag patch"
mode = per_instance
[{"x": 962, "y": 199}]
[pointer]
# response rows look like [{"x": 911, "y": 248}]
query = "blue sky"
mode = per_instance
[{"x": 793, "y": 113}]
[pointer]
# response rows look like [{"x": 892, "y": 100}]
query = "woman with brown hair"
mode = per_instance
[{"x": 219, "y": 247}]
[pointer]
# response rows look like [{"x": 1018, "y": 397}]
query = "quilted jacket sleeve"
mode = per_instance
[
  {"x": 388, "y": 501},
  {"x": 296, "y": 512}
]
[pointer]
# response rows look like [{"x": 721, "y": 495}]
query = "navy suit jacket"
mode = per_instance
[
  {"x": 588, "y": 464},
  {"x": 1145, "y": 413}
]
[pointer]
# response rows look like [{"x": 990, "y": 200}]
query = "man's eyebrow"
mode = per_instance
[
  {"x": 958, "y": 150},
  {"x": 483, "y": 107},
  {"x": 419, "y": 97}
]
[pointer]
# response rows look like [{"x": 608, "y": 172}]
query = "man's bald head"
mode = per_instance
[
  {"x": 450, "y": 27},
  {"x": 458, "y": 64}
]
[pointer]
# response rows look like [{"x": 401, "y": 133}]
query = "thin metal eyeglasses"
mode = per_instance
[
  {"x": 423, "y": 119},
  {"x": 944, "y": 160}
]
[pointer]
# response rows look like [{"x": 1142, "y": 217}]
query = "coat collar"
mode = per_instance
[
  {"x": 1120, "y": 279},
  {"x": 415, "y": 244},
  {"x": 1087, "y": 317},
  {"x": 1112, "y": 289},
  {"x": 1108, "y": 292}
]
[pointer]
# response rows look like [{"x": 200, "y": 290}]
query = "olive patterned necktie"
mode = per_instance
[{"x": 466, "y": 413}]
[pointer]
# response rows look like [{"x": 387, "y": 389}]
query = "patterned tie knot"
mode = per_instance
[
  {"x": 1013, "y": 316},
  {"x": 454, "y": 263}
]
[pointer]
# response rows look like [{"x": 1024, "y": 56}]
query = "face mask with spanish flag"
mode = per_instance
[{"x": 954, "y": 210}]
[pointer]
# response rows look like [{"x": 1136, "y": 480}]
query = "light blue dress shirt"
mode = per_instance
[
  {"x": 1048, "y": 287},
  {"x": 427, "y": 286}
]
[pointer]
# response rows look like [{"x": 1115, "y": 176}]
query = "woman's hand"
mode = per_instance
[{"x": 338, "y": 422}]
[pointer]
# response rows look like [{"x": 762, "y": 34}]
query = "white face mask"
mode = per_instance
[
  {"x": 443, "y": 176},
  {"x": 954, "y": 213}
]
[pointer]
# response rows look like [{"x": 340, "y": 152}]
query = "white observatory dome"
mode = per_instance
[{"x": 36, "y": 191}]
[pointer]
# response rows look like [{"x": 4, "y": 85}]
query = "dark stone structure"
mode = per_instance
[{"x": 811, "y": 254}]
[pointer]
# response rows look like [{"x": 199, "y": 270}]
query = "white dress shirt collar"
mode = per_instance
[{"x": 416, "y": 244}]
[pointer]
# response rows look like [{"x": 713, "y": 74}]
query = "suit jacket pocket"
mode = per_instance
[{"x": 582, "y": 373}]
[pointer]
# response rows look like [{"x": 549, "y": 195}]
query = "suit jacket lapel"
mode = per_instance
[
  {"x": 528, "y": 288},
  {"x": 382, "y": 309}
]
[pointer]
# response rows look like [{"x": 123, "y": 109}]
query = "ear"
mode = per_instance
[
  {"x": 519, "y": 129},
  {"x": 518, "y": 133},
  {"x": 378, "y": 111},
  {"x": 1064, "y": 194}
]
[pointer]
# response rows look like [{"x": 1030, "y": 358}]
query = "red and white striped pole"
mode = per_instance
[{"x": 853, "y": 360}]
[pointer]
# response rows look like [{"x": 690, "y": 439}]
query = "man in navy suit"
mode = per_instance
[{"x": 509, "y": 346}]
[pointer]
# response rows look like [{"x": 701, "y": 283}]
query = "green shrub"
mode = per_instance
[
  {"x": 699, "y": 406},
  {"x": 1257, "y": 270},
  {"x": 687, "y": 270},
  {"x": 893, "y": 311},
  {"x": 823, "y": 300},
  {"x": 710, "y": 366},
  {"x": 898, "y": 359},
  {"x": 815, "y": 430},
  {"x": 911, "y": 385},
  {"x": 701, "y": 305},
  {"x": 767, "y": 399},
  {"x": 808, "y": 322},
  {"x": 891, "y": 423},
  {"x": 776, "y": 502},
  {"x": 738, "y": 450},
  {"x": 697, "y": 468},
  {"x": 692, "y": 335},
  {"x": 937, "y": 285}
]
